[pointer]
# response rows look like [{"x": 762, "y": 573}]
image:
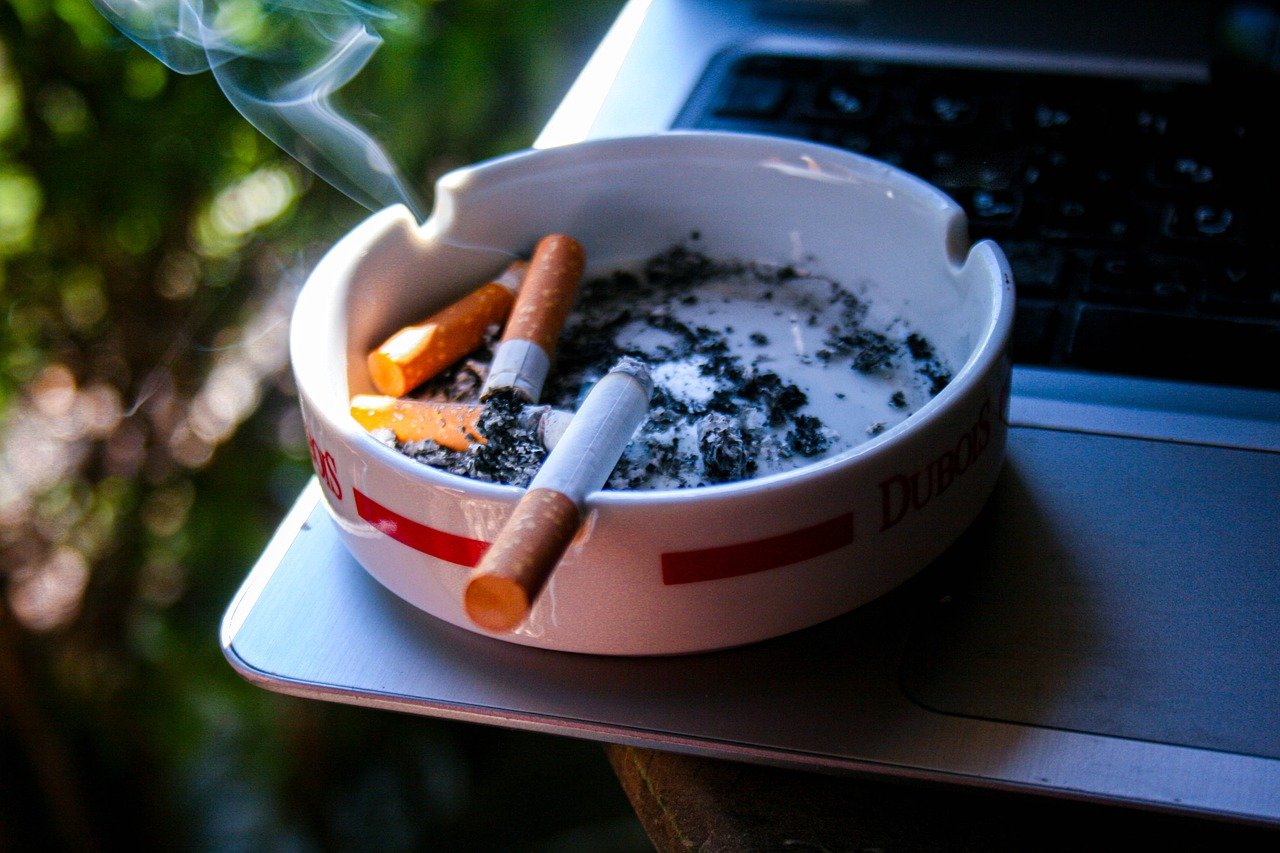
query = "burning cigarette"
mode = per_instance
[
  {"x": 416, "y": 353},
  {"x": 523, "y": 357},
  {"x": 451, "y": 425},
  {"x": 504, "y": 585}
]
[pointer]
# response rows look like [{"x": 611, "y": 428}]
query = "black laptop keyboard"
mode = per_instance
[{"x": 1140, "y": 218}]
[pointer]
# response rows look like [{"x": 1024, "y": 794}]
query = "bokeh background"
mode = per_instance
[{"x": 151, "y": 244}]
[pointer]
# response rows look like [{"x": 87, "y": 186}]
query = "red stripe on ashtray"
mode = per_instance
[
  {"x": 758, "y": 555},
  {"x": 428, "y": 540}
]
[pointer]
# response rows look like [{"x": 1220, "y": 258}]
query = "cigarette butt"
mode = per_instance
[
  {"x": 528, "y": 343},
  {"x": 452, "y": 425},
  {"x": 506, "y": 582},
  {"x": 517, "y": 564},
  {"x": 416, "y": 353}
]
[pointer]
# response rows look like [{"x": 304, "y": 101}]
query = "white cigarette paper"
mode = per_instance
[
  {"x": 551, "y": 425},
  {"x": 520, "y": 365},
  {"x": 597, "y": 434}
]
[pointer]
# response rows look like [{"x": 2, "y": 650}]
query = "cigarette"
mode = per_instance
[
  {"x": 506, "y": 582},
  {"x": 452, "y": 425},
  {"x": 523, "y": 356},
  {"x": 416, "y": 353}
]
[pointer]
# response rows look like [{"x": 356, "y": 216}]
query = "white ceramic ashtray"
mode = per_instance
[{"x": 671, "y": 565}]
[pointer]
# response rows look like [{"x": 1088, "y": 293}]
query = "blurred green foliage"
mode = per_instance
[{"x": 150, "y": 245}]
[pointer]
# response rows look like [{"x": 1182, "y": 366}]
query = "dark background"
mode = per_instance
[{"x": 151, "y": 244}]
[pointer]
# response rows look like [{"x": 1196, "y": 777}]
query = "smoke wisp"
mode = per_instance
[{"x": 280, "y": 63}]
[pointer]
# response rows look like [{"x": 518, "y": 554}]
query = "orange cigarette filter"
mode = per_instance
[
  {"x": 511, "y": 573},
  {"x": 451, "y": 425},
  {"x": 541, "y": 308},
  {"x": 416, "y": 353}
]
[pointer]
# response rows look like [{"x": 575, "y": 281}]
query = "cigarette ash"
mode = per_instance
[
  {"x": 757, "y": 368},
  {"x": 512, "y": 452}
]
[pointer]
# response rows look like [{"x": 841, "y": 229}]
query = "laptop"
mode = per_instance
[{"x": 1109, "y": 629}]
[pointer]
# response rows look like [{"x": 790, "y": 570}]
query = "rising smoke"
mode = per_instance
[{"x": 280, "y": 62}]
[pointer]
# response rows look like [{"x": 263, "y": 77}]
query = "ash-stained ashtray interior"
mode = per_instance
[{"x": 758, "y": 367}]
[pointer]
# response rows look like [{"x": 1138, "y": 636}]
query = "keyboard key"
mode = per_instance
[
  {"x": 1038, "y": 269},
  {"x": 1153, "y": 121},
  {"x": 1131, "y": 279},
  {"x": 1242, "y": 291},
  {"x": 1087, "y": 216},
  {"x": 1059, "y": 170},
  {"x": 1055, "y": 114},
  {"x": 940, "y": 109},
  {"x": 1170, "y": 117},
  {"x": 1177, "y": 346},
  {"x": 991, "y": 209},
  {"x": 1077, "y": 111},
  {"x": 1213, "y": 222},
  {"x": 846, "y": 100},
  {"x": 851, "y": 140},
  {"x": 973, "y": 167},
  {"x": 755, "y": 96},
  {"x": 1045, "y": 115},
  {"x": 1183, "y": 171}
]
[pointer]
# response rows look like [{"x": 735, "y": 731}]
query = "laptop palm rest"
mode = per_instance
[{"x": 1115, "y": 586}]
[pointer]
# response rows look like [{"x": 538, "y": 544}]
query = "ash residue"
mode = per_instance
[
  {"x": 927, "y": 362},
  {"x": 757, "y": 368},
  {"x": 869, "y": 350},
  {"x": 725, "y": 453},
  {"x": 513, "y": 450},
  {"x": 808, "y": 438},
  {"x": 715, "y": 417},
  {"x": 777, "y": 399},
  {"x": 512, "y": 453}
]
